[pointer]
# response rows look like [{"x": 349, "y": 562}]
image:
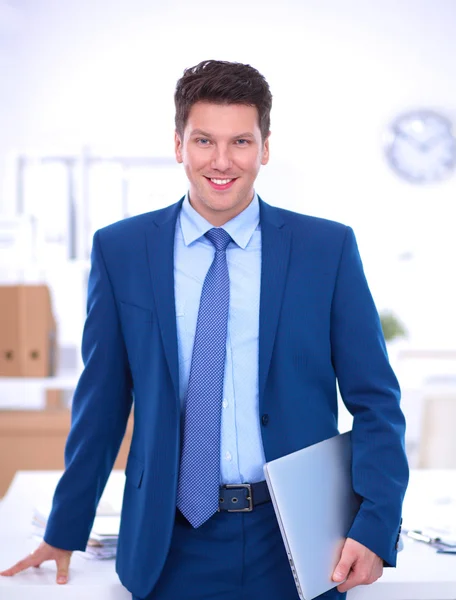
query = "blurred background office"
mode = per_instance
[{"x": 362, "y": 132}]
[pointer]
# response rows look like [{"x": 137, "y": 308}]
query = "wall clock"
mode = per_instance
[{"x": 421, "y": 147}]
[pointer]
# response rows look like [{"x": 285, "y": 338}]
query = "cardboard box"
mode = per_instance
[{"x": 27, "y": 332}]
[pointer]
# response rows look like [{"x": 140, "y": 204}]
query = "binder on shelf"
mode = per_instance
[{"x": 28, "y": 344}]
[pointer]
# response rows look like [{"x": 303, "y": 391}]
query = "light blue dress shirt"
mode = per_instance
[{"x": 241, "y": 453}]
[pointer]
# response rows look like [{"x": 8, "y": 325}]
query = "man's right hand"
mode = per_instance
[{"x": 41, "y": 554}]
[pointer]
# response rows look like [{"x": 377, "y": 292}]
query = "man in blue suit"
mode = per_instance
[{"x": 228, "y": 322}]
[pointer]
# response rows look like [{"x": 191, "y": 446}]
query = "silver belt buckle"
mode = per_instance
[{"x": 247, "y": 486}]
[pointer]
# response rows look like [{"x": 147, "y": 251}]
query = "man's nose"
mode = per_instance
[{"x": 221, "y": 160}]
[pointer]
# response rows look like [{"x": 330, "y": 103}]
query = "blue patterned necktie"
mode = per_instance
[{"x": 199, "y": 475}]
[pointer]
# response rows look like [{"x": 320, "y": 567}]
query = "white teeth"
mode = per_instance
[{"x": 221, "y": 181}]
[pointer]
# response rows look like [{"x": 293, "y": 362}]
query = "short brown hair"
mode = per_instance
[{"x": 222, "y": 82}]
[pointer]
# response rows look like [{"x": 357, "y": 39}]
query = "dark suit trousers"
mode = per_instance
[{"x": 233, "y": 556}]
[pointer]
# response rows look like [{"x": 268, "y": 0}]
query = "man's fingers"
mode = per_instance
[
  {"x": 62, "y": 577},
  {"x": 63, "y": 564},
  {"x": 41, "y": 554},
  {"x": 351, "y": 582},
  {"x": 35, "y": 559},
  {"x": 358, "y": 576},
  {"x": 365, "y": 566},
  {"x": 23, "y": 564},
  {"x": 344, "y": 565},
  {"x": 341, "y": 572}
]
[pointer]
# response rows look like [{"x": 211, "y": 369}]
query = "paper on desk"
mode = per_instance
[
  {"x": 435, "y": 517},
  {"x": 103, "y": 528},
  {"x": 103, "y": 537},
  {"x": 92, "y": 552}
]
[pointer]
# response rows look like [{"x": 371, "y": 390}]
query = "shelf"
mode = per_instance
[
  {"x": 65, "y": 380},
  {"x": 31, "y": 393},
  {"x": 44, "y": 265}
]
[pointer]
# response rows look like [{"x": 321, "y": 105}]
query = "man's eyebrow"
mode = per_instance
[
  {"x": 200, "y": 132},
  {"x": 247, "y": 134}
]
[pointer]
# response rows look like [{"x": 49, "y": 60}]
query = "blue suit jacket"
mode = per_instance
[{"x": 317, "y": 322}]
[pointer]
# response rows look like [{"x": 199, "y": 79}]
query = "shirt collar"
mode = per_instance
[{"x": 240, "y": 228}]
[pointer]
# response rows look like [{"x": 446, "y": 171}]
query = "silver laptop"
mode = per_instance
[{"x": 315, "y": 505}]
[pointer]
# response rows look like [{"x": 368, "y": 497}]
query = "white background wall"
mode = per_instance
[{"x": 102, "y": 74}]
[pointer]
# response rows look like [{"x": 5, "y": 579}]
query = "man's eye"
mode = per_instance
[
  {"x": 242, "y": 142},
  {"x": 202, "y": 141}
]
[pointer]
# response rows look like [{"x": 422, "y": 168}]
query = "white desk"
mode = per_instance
[
  {"x": 89, "y": 579},
  {"x": 421, "y": 574}
]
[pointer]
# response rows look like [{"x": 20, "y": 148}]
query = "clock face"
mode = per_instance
[{"x": 421, "y": 147}]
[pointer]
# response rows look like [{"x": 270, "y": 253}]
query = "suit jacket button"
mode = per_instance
[{"x": 265, "y": 420}]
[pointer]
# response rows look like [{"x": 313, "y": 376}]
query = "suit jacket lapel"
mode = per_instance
[
  {"x": 275, "y": 252},
  {"x": 160, "y": 245}
]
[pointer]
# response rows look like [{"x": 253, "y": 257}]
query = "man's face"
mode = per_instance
[{"x": 222, "y": 152}]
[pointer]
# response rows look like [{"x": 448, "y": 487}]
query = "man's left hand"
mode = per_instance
[{"x": 357, "y": 566}]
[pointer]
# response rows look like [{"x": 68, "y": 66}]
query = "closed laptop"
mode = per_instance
[{"x": 315, "y": 505}]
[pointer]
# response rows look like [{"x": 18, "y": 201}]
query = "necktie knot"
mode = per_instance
[{"x": 219, "y": 238}]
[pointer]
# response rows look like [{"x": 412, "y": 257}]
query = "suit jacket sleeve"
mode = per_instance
[
  {"x": 371, "y": 393},
  {"x": 100, "y": 410}
]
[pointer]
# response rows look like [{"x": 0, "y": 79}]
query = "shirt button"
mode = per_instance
[
  {"x": 265, "y": 419},
  {"x": 225, "y": 403},
  {"x": 228, "y": 456}
]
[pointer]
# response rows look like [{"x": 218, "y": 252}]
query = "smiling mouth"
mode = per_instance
[{"x": 221, "y": 184}]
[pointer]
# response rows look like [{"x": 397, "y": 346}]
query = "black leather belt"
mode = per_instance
[{"x": 243, "y": 497}]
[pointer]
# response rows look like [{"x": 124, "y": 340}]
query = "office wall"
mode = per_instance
[{"x": 101, "y": 74}]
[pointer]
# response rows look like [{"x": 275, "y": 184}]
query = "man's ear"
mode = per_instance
[
  {"x": 178, "y": 147},
  {"x": 265, "y": 157}
]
